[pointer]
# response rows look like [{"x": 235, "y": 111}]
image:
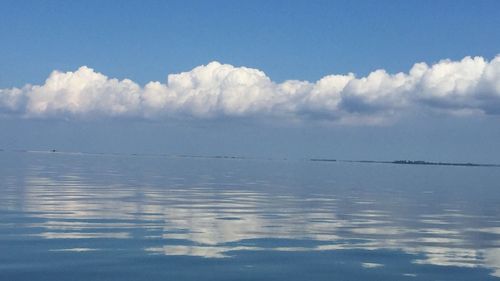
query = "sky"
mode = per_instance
[{"x": 377, "y": 80}]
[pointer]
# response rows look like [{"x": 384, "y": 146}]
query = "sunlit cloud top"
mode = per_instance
[{"x": 470, "y": 86}]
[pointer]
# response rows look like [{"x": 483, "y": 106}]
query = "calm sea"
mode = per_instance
[{"x": 118, "y": 217}]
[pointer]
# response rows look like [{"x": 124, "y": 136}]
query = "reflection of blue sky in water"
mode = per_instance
[{"x": 232, "y": 207}]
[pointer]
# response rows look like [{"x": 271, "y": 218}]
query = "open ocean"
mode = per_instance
[{"x": 125, "y": 217}]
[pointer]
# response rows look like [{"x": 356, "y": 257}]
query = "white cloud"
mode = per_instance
[{"x": 468, "y": 86}]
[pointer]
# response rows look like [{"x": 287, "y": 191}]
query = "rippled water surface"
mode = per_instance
[{"x": 105, "y": 217}]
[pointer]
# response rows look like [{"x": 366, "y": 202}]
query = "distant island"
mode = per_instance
[
  {"x": 419, "y": 162},
  {"x": 409, "y": 162},
  {"x": 323, "y": 159}
]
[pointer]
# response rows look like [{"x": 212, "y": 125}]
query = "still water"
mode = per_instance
[{"x": 117, "y": 217}]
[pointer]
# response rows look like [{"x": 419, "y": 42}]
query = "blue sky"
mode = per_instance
[
  {"x": 261, "y": 45},
  {"x": 305, "y": 40}
]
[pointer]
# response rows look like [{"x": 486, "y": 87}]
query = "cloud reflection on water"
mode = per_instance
[{"x": 213, "y": 221}]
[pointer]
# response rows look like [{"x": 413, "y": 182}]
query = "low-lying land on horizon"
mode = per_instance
[
  {"x": 411, "y": 162},
  {"x": 233, "y": 157}
]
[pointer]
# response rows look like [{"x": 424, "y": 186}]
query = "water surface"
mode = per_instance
[{"x": 118, "y": 217}]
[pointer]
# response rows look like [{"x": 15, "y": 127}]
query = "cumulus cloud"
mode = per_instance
[{"x": 468, "y": 86}]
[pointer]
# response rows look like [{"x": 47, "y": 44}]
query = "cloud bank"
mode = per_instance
[{"x": 468, "y": 86}]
